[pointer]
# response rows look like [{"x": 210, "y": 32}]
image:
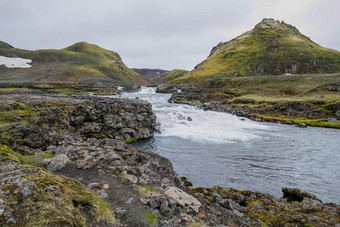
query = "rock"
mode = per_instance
[
  {"x": 158, "y": 128},
  {"x": 130, "y": 201},
  {"x": 182, "y": 198},
  {"x": 105, "y": 187},
  {"x": 310, "y": 205},
  {"x": 52, "y": 188},
  {"x": 101, "y": 172},
  {"x": 145, "y": 200},
  {"x": 244, "y": 101},
  {"x": 237, "y": 213},
  {"x": 26, "y": 193},
  {"x": 302, "y": 125},
  {"x": 189, "y": 119},
  {"x": 93, "y": 186},
  {"x": 295, "y": 194},
  {"x": 120, "y": 212},
  {"x": 230, "y": 204},
  {"x": 103, "y": 195},
  {"x": 133, "y": 179},
  {"x": 58, "y": 162}
]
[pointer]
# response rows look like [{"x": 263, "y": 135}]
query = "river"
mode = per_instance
[{"x": 212, "y": 148}]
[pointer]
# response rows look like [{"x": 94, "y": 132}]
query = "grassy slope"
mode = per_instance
[
  {"x": 81, "y": 60},
  {"x": 271, "y": 48},
  {"x": 167, "y": 77}
]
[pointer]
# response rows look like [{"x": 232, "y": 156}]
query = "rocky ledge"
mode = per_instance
[{"x": 67, "y": 162}]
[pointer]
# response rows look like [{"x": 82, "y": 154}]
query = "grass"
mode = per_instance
[
  {"x": 7, "y": 153},
  {"x": 64, "y": 209},
  {"x": 167, "y": 77},
  {"x": 147, "y": 191},
  {"x": 20, "y": 111},
  {"x": 151, "y": 218},
  {"x": 46, "y": 208},
  {"x": 298, "y": 121},
  {"x": 130, "y": 140},
  {"x": 265, "y": 50},
  {"x": 81, "y": 60}
]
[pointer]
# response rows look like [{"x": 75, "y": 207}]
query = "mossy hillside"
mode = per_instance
[
  {"x": 7, "y": 153},
  {"x": 65, "y": 207},
  {"x": 81, "y": 60},
  {"x": 167, "y": 77},
  {"x": 271, "y": 48},
  {"x": 309, "y": 88}
]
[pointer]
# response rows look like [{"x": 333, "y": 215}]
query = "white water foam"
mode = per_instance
[
  {"x": 15, "y": 62},
  {"x": 189, "y": 122},
  {"x": 147, "y": 90}
]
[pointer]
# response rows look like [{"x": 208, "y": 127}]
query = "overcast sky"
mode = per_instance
[{"x": 156, "y": 33}]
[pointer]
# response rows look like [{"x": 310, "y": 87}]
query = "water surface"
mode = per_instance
[{"x": 212, "y": 148}]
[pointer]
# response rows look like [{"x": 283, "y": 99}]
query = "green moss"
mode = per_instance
[
  {"x": 130, "y": 140},
  {"x": 265, "y": 50},
  {"x": 65, "y": 207},
  {"x": 147, "y": 191},
  {"x": 296, "y": 121},
  {"x": 151, "y": 218},
  {"x": 20, "y": 111},
  {"x": 185, "y": 181},
  {"x": 167, "y": 77},
  {"x": 7, "y": 153}
]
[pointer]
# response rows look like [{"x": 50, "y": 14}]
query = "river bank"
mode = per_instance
[
  {"x": 67, "y": 161},
  {"x": 304, "y": 100}
]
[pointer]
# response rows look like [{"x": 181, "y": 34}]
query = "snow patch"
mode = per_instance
[{"x": 15, "y": 62}]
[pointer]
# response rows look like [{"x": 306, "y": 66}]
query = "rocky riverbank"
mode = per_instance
[
  {"x": 317, "y": 112},
  {"x": 67, "y": 161}
]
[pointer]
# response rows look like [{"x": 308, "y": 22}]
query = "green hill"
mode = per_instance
[
  {"x": 271, "y": 48},
  {"x": 169, "y": 76},
  {"x": 80, "y": 62}
]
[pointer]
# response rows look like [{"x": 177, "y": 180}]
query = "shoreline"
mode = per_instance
[{"x": 50, "y": 138}]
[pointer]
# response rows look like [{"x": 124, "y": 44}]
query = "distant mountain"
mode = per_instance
[
  {"x": 80, "y": 62},
  {"x": 150, "y": 73},
  {"x": 4, "y": 45},
  {"x": 271, "y": 48},
  {"x": 169, "y": 76}
]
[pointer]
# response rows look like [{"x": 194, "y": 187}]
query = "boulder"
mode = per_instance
[
  {"x": 58, "y": 162},
  {"x": 295, "y": 194},
  {"x": 182, "y": 198}
]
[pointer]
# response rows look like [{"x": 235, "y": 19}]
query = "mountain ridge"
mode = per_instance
[
  {"x": 270, "y": 48},
  {"x": 80, "y": 62}
]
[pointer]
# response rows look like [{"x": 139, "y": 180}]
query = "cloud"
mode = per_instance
[{"x": 157, "y": 34}]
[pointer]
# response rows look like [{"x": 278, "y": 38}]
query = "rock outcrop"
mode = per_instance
[{"x": 70, "y": 166}]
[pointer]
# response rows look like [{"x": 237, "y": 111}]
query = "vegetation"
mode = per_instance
[
  {"x": 80, "y": 62},
  {"x": 130, "y": 140},
  {"x": 8, "y": 153},
  {"x": 271, "y": 48},
  {"x": 64, "y": 207},
  {"x": 147, "y": 191},
  {"x": 167, "y": 77},
  {"x": 151, "y": 218}
]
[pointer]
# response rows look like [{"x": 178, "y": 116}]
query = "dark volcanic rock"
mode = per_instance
[{"x": 59, "y": 117}]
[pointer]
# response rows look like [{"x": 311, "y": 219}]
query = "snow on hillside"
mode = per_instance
[{"x": 15, "y": 62}]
